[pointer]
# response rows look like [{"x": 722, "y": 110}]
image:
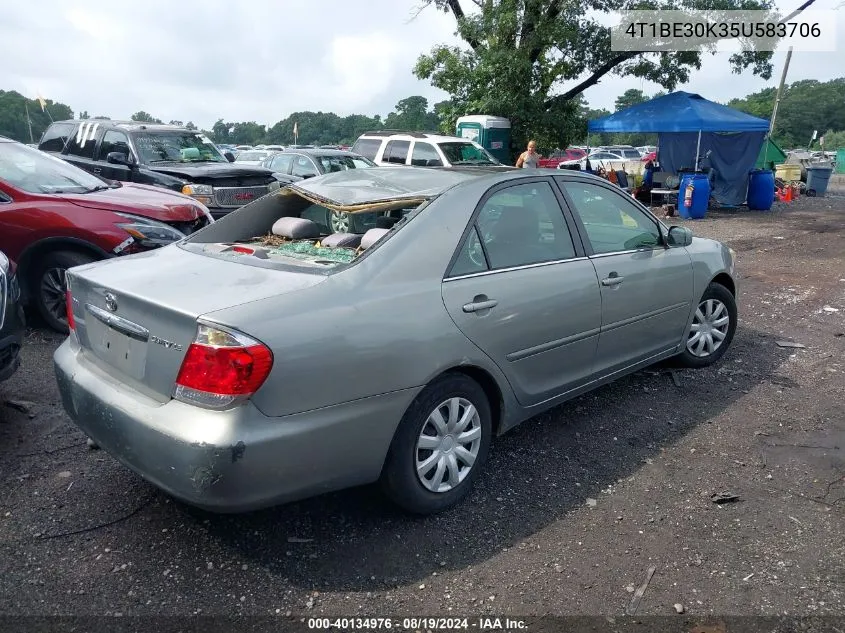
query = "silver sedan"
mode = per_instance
[{"x": 266, "y": 358}]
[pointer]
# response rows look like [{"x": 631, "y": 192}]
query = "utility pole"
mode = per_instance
[{"x": 777, "y": 103}]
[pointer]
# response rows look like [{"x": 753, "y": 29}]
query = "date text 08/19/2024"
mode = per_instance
[{"x": 418, "y": 623}]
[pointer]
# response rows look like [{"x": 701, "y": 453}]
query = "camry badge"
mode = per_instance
[{"x": 111, "y": 302}]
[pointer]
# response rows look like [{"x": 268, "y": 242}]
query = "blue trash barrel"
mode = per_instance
[
  {"x": 761, "y": 189},
  {"x": 817, "y": 179},
  {"x": 700, "y": 196}
]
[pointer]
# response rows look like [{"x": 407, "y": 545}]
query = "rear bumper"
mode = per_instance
[{"x": 229, "y": 461}]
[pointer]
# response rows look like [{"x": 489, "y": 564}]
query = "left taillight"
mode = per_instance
[
  {"x": 69, "y": 309},
  {"x": 221, "y": 368}
]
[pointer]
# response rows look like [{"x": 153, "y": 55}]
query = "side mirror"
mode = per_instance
[
  {"x": 229, "y": 156},
  {"x": 118, "y": 158},
  {"x": 679, "y": 236}
]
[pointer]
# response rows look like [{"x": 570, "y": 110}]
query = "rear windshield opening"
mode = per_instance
[{"x": 285, "y": 228}]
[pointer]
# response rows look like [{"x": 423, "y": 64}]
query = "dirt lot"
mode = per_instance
[{"x": 574, "y": 508}]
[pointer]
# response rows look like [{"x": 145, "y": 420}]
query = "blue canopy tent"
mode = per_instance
[{"x": 683, "y": 120}]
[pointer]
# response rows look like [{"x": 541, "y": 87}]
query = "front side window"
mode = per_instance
[
  {"x": 36, "y": 172},
  {"x": 303, "y": 167},
  {"x": 281, "y": 163},
  {"x": 176, "y": 147},
  {"x": 612, "y": 221},
  {"x": 114, "y": 141},
  {"x": 425, "y": 155},
  {"x": 396, "y": 152},
  {"x": 458, "y": 153}
]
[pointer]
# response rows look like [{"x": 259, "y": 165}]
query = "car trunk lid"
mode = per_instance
[{"x": 137, "y": 319}]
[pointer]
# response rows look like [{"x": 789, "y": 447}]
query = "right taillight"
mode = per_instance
[
  {"x": 69, "y": 309},
  {"x": 222, "y": 367}
]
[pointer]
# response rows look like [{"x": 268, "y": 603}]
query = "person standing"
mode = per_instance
[{"x": 529, "y": 159}]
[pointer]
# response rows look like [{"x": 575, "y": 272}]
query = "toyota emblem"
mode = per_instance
[{"x": 111, "y": 302}]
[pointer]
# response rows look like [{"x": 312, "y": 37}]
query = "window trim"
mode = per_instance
[
  {"x": 585, "y": 238},
  {"x": 574, "y": 230}
]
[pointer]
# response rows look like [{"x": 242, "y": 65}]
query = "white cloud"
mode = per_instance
[{"x": 261, "y": 60}]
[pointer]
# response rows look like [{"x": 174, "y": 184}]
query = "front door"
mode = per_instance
[
  {"x": 523, "y": 292},
  {"x": 114, "y": 141},
  {"x": 646, "y": 287}
]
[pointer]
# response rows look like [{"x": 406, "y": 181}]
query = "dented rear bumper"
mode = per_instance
[{"x": 228, "y": 461}]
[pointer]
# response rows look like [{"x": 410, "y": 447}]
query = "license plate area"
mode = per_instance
[{"x": 124, "y": 353}]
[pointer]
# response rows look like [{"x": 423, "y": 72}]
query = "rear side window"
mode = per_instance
[
  {"x": 396, "y": 152},
  {"x": 55, "y": 137},
  {"x": 367, "y": 147},
  {"x": 82, "y": 143}
]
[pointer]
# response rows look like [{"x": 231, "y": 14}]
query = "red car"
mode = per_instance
[
  {"x": 555, "y": 159},
  {"x": 54, "y": 216}
]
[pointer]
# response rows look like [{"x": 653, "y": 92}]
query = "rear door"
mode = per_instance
[
  {"x": 646, "y": 287},
  {"x": 521, "y": 289},
  {"x": 396, "y": 153}
]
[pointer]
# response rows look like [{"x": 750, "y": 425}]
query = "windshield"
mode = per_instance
[
  {"x": 176, "y": 147},
  {"x": 458, "y": 153},
  {"x": 36, "y": 172},
  {"x": 342, "y": 163}
]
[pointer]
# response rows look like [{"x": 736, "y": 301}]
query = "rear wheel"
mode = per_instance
[
  {"x": 440, "y": 446},
  {"x": 712, "y": 329},
  {"x": 50, "y": 285}
]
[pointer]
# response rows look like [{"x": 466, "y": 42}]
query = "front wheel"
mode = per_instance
[
  {"x": 712, "y": 329},
  {"x": 440, "y": 446},
  {"x": 50, "y": 286}
]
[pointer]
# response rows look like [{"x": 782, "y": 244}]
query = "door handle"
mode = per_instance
[
  {"x": 97, "y": 170},
  {"x": 613, "y": 279},
  {"x": 478, "y": 306}
]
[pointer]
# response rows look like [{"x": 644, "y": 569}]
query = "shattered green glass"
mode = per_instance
[{"x": 308, "y": 251}]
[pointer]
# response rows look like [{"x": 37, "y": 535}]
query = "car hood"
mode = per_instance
[
  {"x": 209, "y": 170},
  {"x": 151, "y": 202}
]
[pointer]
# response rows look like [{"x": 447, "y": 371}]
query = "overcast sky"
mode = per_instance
[{"x": 263, "y": 59}]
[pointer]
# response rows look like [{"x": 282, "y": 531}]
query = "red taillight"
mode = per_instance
[
  {"x": 221, "y": 367},
  {"x": 69, "y": 309}
]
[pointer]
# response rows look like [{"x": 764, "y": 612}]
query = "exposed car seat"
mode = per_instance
[
  {"x": 296, "y": 228},
  {"x": 385, "y": 222},
  {"x": 372, "y": 236},
  {"x": 342, "y": 240}
]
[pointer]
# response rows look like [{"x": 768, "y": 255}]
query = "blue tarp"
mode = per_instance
[
  {"x": 679, "y": 112},
  {"x": 733, "y": 137}
]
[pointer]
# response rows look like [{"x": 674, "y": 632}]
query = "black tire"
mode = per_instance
[
  {"x": 399, "y": 479},
  {"x": 716, "y": 292},
  {"x": 52, "y": 312}
]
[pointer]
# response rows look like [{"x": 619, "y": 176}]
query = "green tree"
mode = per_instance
[
  {"x": 805, "y": 106},
  {"x": 145, "y": 117},
  {"x": 13, "y": 116},
  {"x": 84, "y": 114},
  {"x": 520, "y": 54},
  {"x": 190, "y": 125},
  {"x": 411, "y": 113},
  {"x": 630, "y": 97}
]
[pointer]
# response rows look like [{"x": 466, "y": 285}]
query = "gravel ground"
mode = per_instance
[{"x": 573, "y": 509}]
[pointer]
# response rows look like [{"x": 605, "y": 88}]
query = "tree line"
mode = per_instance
[{"x": 805, "y": 106}]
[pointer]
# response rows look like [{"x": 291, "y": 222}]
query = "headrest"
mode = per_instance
[
  {"x": 372, "y": 236},
  {"x": 347, "y": 240},
  {"x": 296, "y": 228},
  {"x": 190, "y": 152}
]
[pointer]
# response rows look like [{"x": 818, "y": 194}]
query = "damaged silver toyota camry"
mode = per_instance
[{"x": 379, "y": 325}]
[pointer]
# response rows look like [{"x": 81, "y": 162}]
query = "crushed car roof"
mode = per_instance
[{"x": 367, "y": 187}]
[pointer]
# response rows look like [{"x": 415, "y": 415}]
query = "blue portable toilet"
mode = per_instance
[{"x": 493, "y": 133}]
